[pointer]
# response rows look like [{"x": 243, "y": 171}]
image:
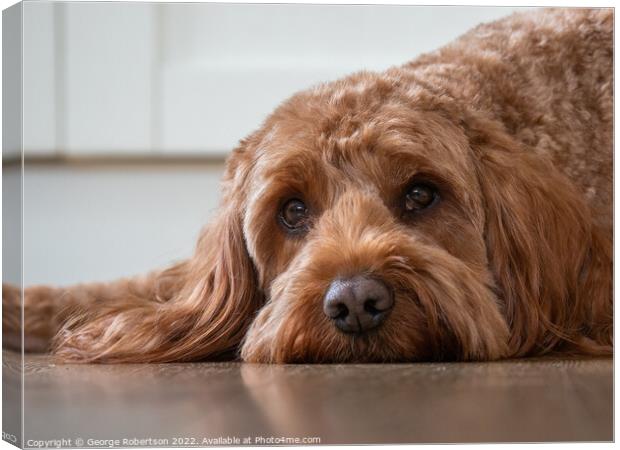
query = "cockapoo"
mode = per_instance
[{"x": 458, "y": 207}]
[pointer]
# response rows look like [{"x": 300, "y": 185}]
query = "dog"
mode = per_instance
[{"x": 457, "y": 207}]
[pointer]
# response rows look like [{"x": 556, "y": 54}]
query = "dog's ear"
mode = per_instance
[
  {"x": 198, "y": 309},
  {"x": 219, "y": 297},
  {"x": 551, "y": 263}
]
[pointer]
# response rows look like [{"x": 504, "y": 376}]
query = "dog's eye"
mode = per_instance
[
  {"x": 294, "y": 214},
  {"x": 420, "y": 196}
]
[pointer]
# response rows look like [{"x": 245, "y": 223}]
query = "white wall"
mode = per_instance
[{"x": 99, "y": 222}]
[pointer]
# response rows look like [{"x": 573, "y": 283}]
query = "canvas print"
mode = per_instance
[{"x": 297, "y": 224}]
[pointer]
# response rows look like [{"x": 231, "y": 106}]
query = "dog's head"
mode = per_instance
[{"x": 369, "y": 220}]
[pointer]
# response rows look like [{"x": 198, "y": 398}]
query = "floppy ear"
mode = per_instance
[
  {"x": 219, "y": 298},
  {"x": 551, "y": 263},
  {"x": 197, "y": 310}
]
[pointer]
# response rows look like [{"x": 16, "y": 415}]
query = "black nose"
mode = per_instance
[{"x": 357, "y": 304}]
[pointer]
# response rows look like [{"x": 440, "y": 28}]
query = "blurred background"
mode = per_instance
[{"x": 130, "y": 109}]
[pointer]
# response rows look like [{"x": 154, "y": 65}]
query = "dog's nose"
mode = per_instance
[{"x": 357, "y": 304}]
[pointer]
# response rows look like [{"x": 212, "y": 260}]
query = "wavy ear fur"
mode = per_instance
[
  {"x": 551, "y": 263},
  {"x": 198, "y": 309}
]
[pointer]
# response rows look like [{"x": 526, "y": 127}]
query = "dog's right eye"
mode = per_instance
[
  {"x": 294, "y": 214},
  {"x": 420, "y": 196}
]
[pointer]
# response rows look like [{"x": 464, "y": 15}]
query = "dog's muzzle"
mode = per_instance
[{"x": 358, "y": 304}]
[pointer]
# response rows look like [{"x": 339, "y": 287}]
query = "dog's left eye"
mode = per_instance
[
  {"x": 420, "y": 196},
  {"x": 294, "y": 214}
]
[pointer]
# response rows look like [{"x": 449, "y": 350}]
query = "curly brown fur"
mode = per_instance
[{"x": 512, "y": 123}]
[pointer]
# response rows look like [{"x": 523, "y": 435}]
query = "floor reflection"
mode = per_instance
[
  {"x": 506, "y": 401},
  {"x": 544, "y": 400}
]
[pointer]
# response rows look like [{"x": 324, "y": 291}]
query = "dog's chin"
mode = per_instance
[
  {"x": 438, "y": 315},
  {"x": 314, "y": 338}
]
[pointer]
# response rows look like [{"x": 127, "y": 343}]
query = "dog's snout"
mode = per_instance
[{"x": 357, "y": 304}]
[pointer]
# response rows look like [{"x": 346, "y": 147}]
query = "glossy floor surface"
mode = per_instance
[{"x": 521, "y": 400}]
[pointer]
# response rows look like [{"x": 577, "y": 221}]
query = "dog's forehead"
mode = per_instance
[{"x": 343, "y": 130}]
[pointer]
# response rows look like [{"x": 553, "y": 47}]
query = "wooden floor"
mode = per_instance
[{"x": 522, "y": 400}]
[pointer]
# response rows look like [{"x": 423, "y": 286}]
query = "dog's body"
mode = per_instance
[{"x": 456, "y": 207}]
